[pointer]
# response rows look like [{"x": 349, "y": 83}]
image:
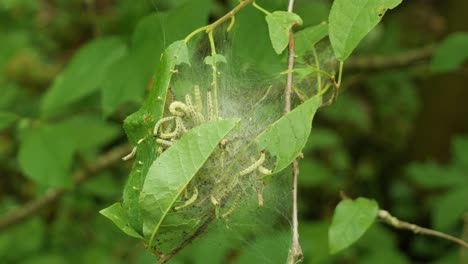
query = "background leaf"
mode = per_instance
[
  {"x": 46, "y": 151},
  {"x": 350, "y": 221},
  {"x": 279, "y": 24},
  {"x": 45, "y": 155},
  {"x": 350, "y": 21},
  {"x": 448, "y": 210},
  {"x": 83, "y": 74},
  {"x": 451, "y": 54}
]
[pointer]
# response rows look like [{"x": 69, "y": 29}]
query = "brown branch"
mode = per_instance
[
  {"x": 29, "y": 209},
  {"x": 295, "y": 252},
  {"x": 387, "y": 218},
  {"x": 378, "y": 62}
]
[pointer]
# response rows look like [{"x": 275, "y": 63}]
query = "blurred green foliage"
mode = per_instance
[{"x": 71, "y": 71}]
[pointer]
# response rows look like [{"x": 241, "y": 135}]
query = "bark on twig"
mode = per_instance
[
  {"x": 389, "y": 219},
  {"x": 295, "y": 252}
]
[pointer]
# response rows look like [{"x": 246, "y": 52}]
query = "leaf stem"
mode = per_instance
[
  {"x": 214, "y": 83},
  {"x": 317, "y": 65},
  {"x": 261, "y": 9},
  {"x": 318, "y": 71},
  {"x": 340, "y": 74},
  {"x": 195, "y": 32},
  {"x": 231, "y": 24}
]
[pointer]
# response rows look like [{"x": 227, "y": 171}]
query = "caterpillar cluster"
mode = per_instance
[
  {"x": 184, "y": 116},
  {"x": 217, "y": 181}
]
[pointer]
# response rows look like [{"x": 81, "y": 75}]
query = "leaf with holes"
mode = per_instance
[
  {"x": 139, "y": 126},
  {"x": 286, "y": 138},
  {"x": 350, "y": 21}
]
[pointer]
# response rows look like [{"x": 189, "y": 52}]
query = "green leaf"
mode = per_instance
[
  {"x": 451, "y": 54},
  {"x": 45, "y": 155},
  {"x": 119, "y": 216},
  {"x": 124, "y": 83},
  {"x": 83, "y": 75},
  {"x": 448, "y": 209},
  {"x": 170, "y": 174},
  {"x": 350, "y": 21},
  {"x": 306, "y": 39},
  {"x": 431, "y": 175},
  {"x": 139, "y": 125},
  {"x": 46, "y": 152},
  {"x": 279, "y": 24},
  {"x": 286, "y": 138},
  {"x": 350, "y": 221},
  {"x": 7, "y": 119},
  {"x": 90, "y": 132}
]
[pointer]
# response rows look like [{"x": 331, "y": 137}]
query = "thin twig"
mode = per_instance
[
  {"x": 389, "y": 219},
  {"x": 295, "y": 252},
  {"x": 375, "y": 63},
  {"x": 29, "y": 209}
]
